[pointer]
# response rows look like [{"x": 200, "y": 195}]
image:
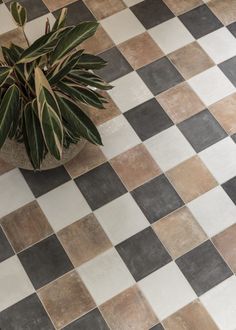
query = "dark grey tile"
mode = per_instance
[
  {"x": 230, "y": 188},
  {"x": 34, "y": 10},
  {"x": 100, "y": 186},
  {"x": 27, "y": 314},
  {"x": 202, "y": 130},
  {"x": 90, "y": 321},
  {"x": 233, "y": 137},
  {"x": 228, "y": 67},
  {"x": 200, "y": 21},
  {"x": 157, "y": 327},
  {"x": 42, "y": 182},
  {"x": 151, "y": 12},
  {"x": 232, "y": 28},
  {"x": 116, "y": 67},
  {"x": 6, "y": 250},
  {"x": 148, "y": 119},
  {"x": 157, "y": 198},
  {"x": 160, "y": 75},
  {"x": 203, "y": 267},
  {"x": 143, "y": 253},
  {"x": 45, "y": 261}
]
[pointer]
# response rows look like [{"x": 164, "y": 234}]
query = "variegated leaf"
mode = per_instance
[{"x": 19, "y": 13}]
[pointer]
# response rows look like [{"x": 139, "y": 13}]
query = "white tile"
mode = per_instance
[
  {"x": 220, "y": 158},
  {"x": 167, "y": 290},
  {"x": 14, "y": 283},
  {"x": 129, "y": 91},
  {"x": 117, "y": 136},
  {"x": 105, "y": 276},
  {"x": 122, "y": 26},
  {"x": 171, "y": 35},
  {"x": 169, "y": 148},
  {"x": 221, "y": 304},
  {"x": 64, "y": 205},
  {"x": 121, "y": 218},
  {"x": 14, "y": 192},
  {"x": 211, "y": 85},
  {"x": 7, "y": 22},
  {"x": 131, "y": 2},
  {"x": 220, "y": 45},
  {"x": 214, "y": 211},
  {"x": 36, "y": 28}
]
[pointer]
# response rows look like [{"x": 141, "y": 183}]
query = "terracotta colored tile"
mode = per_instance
[
  {"x": 179, "y": 232},
  {"x": 190, "y": 317},
  {"x": 128, "y": 310},
  {"x": 26, "y": 226},
  {"x": 5, "y": 167},
  {"x": 224, "y": 10},
  {"x": 66, "y": 299},
  {"x": 180, "y": 102},
  {"x": 90, "y": 157},
  {"x": 226, "y": 244},
  {"x": 57, "y": 4},
  {"x": 84, "y": 240},
  {"x": 191, "y": 179},
  {"x": 191, "y": 60},
  {"x": 104, "y": 8},
  {"x": 14, "y": 36},
  {"x": 135, "y": 167},
  {"x": 181, "y": 6},
  {"x": 140, "y": 50},
  {"x": 224, "y": 111}
]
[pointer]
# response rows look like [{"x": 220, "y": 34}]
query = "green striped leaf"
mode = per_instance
[
  {"x": 61, "y": 20},
  {"x": 89, "y": 79},
  {"x": 4, "y": 74},
  {"x": 19, "y": 13},
  {"x": 90, "y": 62}
]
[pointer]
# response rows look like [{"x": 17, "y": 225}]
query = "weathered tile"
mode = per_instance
[
  {"x": 225, "y": 11},
  {"x": 57, "y": 4},
  {"x": 227, "y": 68},
  {"x": 5, "y": 167},
  {"x": 104, "y": 8},
  {"x": 6, "y": 250},
  {"x": 181, "y": 6}
]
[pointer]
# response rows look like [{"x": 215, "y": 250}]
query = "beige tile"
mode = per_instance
[
  {"x": 179, "y": 232},
  {"x": 5, "y": 167},
  {"x": 180, "y": 102},
  {"x": 179, "y": 7},
  {"x": 224, "y": 10},
  {"x": 57, "y": 4},
  {"x": 15, "y": 36},
  {"x": 104, "y": 8}
]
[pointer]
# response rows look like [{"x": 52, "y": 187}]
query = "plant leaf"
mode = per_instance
[
  {"x": 90, "y": 62},
  {"x": 61, "y": 20},
  {"x": 89, "y": 78},
  {"x": 4, "y": 74},
  {"x": 19, "y": 13}
]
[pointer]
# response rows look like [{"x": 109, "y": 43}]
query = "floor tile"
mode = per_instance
[
  {"x": 148, "y": 119},
  {"x": 104, "y": 8},
  {"x": 222, "y": 295},
  {"x": 26, "y": 226},
  {"x": 157, "y": 198},
  {"x": 160, "y": 75},
  {"x": 203, "y": 267},
  {"x": 100, "y": 186},
  {"x": 166, "y": 39},
  {"x": 131, "y": 2},
  {"x": 169, "y": 148},
  {"x": 192, "y": 316},
  {"x": 26, "y": 314},
  {"x": 45, "y": 261},
  {"x": 37, "y": 10},
  {"x": 84, "y": 240},
  {"x": 191, "y": 60},
  {"x": 128, "y": 310},
  {"x": 64, "y": 205},
  {"x": 140, "y": 50},
  {"x": 234, "y": 137},
  {"x": 121, "y": 218},
  {"x": 167, "y": 290},
  {"x": 151, "y": 12},
  {"x": 15, "y": 36},
  {"x": 227, "y": 68},
  {"x": 230, "y": 188},
  {"x": 6, "y": 250},
  {"x": 14, "y": 283},
  {"x": 138, "y": 91},
  {"x": 66, "y": 299},
  {"x": 42, "y": 182},
  {"x": 226, "y": 12},
  {"x": 129, "y": 28},
  {"x": 157, "y": 327},
  {"x": 5, "y": 167},
  {"x": 232, "y": 28},
  {"x": 105, "y": 276},
  {"x": 53, "y": 5},
  {"x": 181, "y": 6},
  {"x": 7, "y": 23},
  {"x": 36, "y": 28},
  {"x": 211, "y": 85},
  {"x": 200, "y": 21},
  {"x": 135, "y": 167}
]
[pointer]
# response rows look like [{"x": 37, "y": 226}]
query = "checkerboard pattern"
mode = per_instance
[{"x": 139, "y": 234}]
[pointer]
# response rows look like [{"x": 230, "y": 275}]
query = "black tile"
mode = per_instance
[
  {"x": 202, "y": 130},
  {"x": 160, "y": 75},
  {"x": 6, "y": 250},
  {"x": 42, "y": 182},
  {"x": 157, "y": 198},
  {"x": 233, "y": 137},
  {"x": 143, "y": 253},
  {"x": 90, "y": 321},
  {"x": 203, "y": 267},
  {"x": 229, "y": 69},
  {"x": 152, "y": 12},
  {"x": 157, "y": 327},
  {"x": 232, "y": 28},
  {"x": 35, "y": 10},
  {"x": 27, "y": 314},
  {"x": 100, "y": 186},
  {"x": 116, "y": 67},
  {"x": 230, "y": 188},
  {"x": 45, "y": 261},
  {"x": 148, "y": 119},
  {"x": 200, "y": 21}
]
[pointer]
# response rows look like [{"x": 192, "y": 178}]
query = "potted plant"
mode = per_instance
[{"x": 44, "y": 91}]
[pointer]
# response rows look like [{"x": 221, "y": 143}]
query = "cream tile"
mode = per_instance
[
  {"x": 7, "y": 22},
  {"x": 36, "y": 28}
]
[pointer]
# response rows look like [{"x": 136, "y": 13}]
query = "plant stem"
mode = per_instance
[{"x": 26, "y": 39}]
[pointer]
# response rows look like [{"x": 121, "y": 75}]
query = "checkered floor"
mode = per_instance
[{"x": 140, "y": 234}]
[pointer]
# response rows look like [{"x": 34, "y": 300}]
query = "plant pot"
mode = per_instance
[{"x": 14, "y": 153}]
